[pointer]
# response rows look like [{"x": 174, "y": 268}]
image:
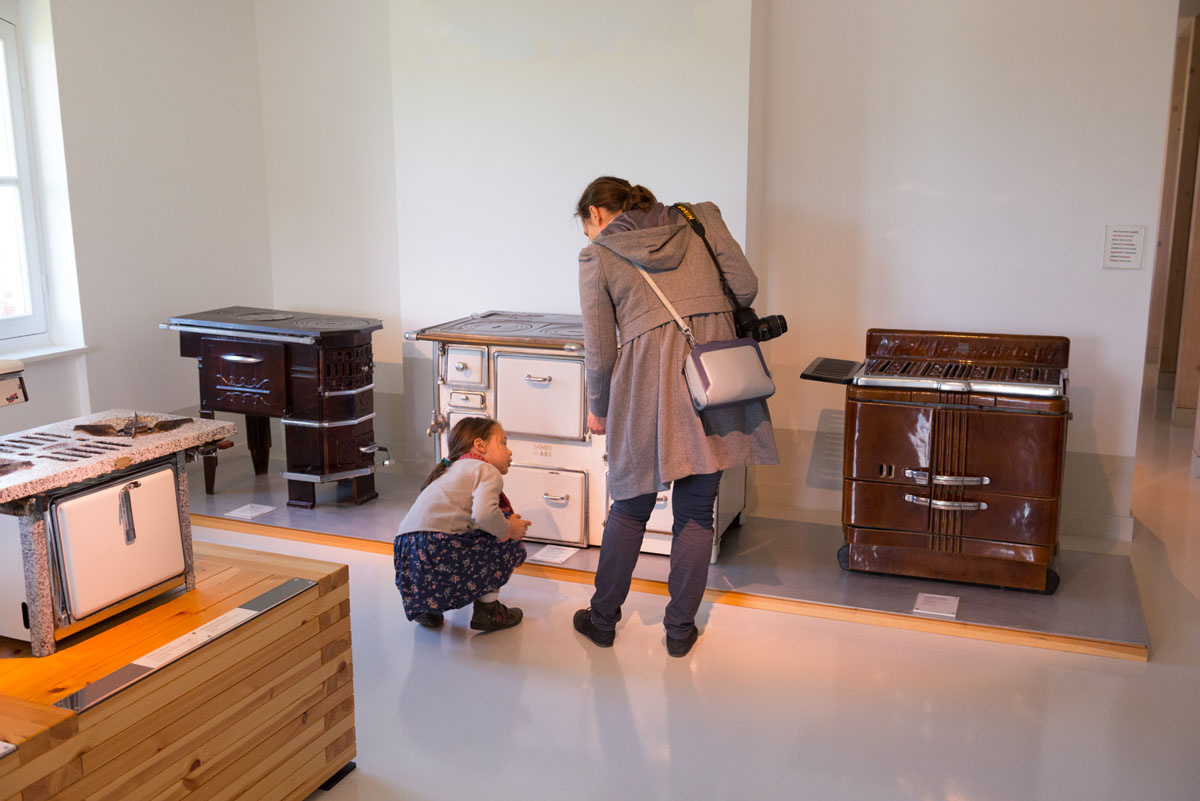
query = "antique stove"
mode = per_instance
[
  {"x": 94, "y": 519},
  {"x": 315, "y": 371},
  {"x": 953, "y": 458},
  {"x": 526, "y": 370}
]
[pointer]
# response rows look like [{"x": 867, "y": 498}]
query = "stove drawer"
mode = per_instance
[
  {"x": 246, "y": 377},
  {"x": 538, "y": 396},
  {"x": 951, "y": 513},
  {"x": 118, "y": 540},
  {"x": 466, "y": 366},
  {"x": 554, "y": 501}
]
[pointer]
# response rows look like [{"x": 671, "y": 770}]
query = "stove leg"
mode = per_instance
[
  {"x": 258, "y": 437},
  {"x": 302, "y": 494},
  {"x": 210, "y": 463},
  {"x": 361, "y": 489}
]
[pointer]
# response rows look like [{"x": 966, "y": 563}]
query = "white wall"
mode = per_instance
[
  {"x": 504, "y": 113},
  {"x": 952, "y": 166},
  {"x": 163, "y": 138}
]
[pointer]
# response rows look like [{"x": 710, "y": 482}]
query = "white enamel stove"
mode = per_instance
[{"x": 526, "y": 370}]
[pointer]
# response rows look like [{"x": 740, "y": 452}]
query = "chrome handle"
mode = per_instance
[
  {"x": 961, "y": 481},
  {"x": 460, "y": 366},
  {"x": 558, "y": 498},
  {"x": 573, "y": 347},
  {"x": 241, "y": 358},
  {"x": 948, "y": 481},
  {"x": 947, "y": 506},
  {"x": 388, "y": 461},
  {"x": 537, "y": 379},
  {"x": 125, "y": 512},
  {"x": 660, "y": 499}
]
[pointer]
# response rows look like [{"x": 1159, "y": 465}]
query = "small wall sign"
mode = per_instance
[{"x": 1123, "y": 247}]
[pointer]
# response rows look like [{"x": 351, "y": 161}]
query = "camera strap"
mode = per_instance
[{"x": 698, "y": 227}]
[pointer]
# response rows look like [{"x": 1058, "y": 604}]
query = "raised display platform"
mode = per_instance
[{"x": 780, "y": 565}]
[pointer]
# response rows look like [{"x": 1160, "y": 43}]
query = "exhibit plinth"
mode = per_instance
[{"x": 241, "y": 688}]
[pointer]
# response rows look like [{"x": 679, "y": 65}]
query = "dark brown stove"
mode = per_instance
[
  {"x": 314, "y": 371},
  {"x": 953, "y": 458}
]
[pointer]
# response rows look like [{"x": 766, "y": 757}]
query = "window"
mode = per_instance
[{"x": 22, "y": 304}]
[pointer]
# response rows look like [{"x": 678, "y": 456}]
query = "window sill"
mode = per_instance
[{"x": 43, "y": 353}]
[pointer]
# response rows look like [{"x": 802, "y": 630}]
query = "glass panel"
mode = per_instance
[
  {"x": 8, "y": 155},
  {"x": 14, "y": 288}
]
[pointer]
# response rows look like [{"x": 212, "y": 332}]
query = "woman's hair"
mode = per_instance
[
  {"x": 461, "y": 439},
  {"x": 615, "y": 195}
]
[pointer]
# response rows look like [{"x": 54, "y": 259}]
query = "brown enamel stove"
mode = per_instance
[
  {"x": 315, "y": 371},
  {"x": 953, "y": 460}
]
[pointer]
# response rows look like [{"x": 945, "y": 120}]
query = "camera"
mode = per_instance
[{"x": 760, "y": 329}]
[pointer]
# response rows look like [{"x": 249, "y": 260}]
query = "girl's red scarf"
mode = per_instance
[{"x": 505, "y": 506}]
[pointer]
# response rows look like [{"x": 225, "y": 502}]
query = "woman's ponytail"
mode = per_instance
[{"x": 615, "y": 195}]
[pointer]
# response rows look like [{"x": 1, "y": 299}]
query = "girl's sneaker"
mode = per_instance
[
  {"x": 430, "y": 620},
  {"x": 494, "y": 616}
]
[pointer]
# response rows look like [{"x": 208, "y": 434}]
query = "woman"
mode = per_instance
[{"x": 637, "y": 394}]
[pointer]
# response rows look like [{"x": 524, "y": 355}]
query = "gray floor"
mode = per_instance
[{"x": 1097, "y": 599}]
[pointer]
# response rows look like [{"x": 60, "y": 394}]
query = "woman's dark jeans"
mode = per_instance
[{"x": 691, "y": 548}]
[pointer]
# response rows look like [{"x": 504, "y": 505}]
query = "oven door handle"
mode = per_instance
[
  {"x": 947, "y": 506},
  {"x": 922, "y": 476},
  {"x": 373, "y": 448},
  {"x": 241, "y": 358},
  {"x": 125, "y": 511}
]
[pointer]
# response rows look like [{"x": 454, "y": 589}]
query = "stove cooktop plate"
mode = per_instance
[
  {"x": 277, "y": 321},
  {"x": 513, "y": 328}
]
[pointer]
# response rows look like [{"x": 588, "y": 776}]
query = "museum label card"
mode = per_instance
[
  {"x": 553, "y": 554},
  {"x": 1123, "y": 247},
  {"x": 195, "y": 638},
  {"x": 936, "y": 605},
  {"x": 249, "y": 511}
]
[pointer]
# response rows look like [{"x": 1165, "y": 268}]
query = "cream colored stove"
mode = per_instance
[{"x": 526, "y": 370}]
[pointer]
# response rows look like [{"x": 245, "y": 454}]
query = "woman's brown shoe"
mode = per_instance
[{"x": 494, "y": 616}]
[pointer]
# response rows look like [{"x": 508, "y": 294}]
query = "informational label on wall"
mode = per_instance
[
  {"x": 1123, "y": 247},
  {"x": 936, "y": 605}
]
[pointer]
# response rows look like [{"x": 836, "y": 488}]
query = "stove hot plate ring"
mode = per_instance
[
  {"x": 264, "y": 317},
  {"x": 494, "y": 326},
  {"x": 331, "y": 323}
]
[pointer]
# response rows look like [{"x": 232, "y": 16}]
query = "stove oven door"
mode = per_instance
[
  {"x": 553, "y": 500},
  {"x": 117, "y": 540},
  {"x": 540, "y": 396}
]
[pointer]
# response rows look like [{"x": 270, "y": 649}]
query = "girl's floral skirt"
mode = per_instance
[{"x": 437, "y": 572}]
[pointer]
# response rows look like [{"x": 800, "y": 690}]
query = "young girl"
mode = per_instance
[{"x": 461, "y": 540}]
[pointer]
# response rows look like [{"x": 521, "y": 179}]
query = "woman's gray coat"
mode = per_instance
[{"x": 655, "y": 435}]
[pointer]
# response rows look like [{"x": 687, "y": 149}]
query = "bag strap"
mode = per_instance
[
  {"x": 698, "y": 227},
  {"x": 683, "y": 327}
]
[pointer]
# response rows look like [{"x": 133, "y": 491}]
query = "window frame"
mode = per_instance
[{"x": 33, "y": 328}]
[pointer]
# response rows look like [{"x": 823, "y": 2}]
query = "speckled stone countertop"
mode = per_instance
[{"x": 60, "y": 455}]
